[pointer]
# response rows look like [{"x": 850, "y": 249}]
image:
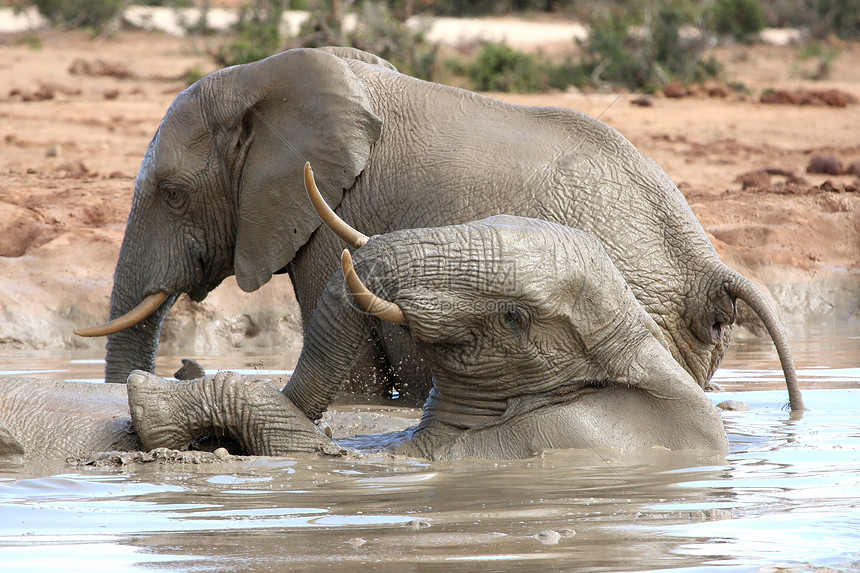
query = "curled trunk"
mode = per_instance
[
  {"x": 250, "y": 411},
  {"x": 740, "y": 287},
  {"x": 335, "y": 339}
]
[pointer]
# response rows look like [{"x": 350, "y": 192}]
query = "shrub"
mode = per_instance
[
  {"x": 79, "y": 13},
  {"x": 258, "y": 33},
  {"x": 738, "y": 19},
  {"x": 381, "y": 33},
  {"x": 498, "y": 67},
  {"x": 645, "y": 50}
]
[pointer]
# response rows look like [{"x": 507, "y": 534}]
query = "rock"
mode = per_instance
[
  {"x": 548, "y": 537},
  {"x": 853, "y": 169},
  {"x": 826, "y": 164},
  {"x": 733, "y": 406},
  {"x": 674, "y": 90},
  {"x": 714, "y": 514},
  {"x": 832, "y": 97},
  {"x": 191, "y": 370},
  {"x": 755, "y": 180},
  {"x": 418, "y": 524}
]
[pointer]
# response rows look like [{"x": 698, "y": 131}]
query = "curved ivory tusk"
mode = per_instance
[
  {"x": 376, "y": 306},
  {"x": 127, "y": 320},
  {"x": 338, "y": 226}
]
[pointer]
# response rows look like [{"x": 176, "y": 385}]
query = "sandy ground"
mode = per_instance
[{"x": 77, "y": 113}]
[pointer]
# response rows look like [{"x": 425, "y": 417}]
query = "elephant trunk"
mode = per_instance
[
  {"x": 338, "y": 335},
  {"x": 740, "y": 287},
  {"x": 135, "y": 347},
  {"x": 251, "y": 411}
]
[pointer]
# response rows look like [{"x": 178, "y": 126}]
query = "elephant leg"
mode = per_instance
[{"x": 250, "y": 411}]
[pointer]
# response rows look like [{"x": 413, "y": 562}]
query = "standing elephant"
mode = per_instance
[
  {"x": 219, "y": 193},
  {"x": 533, "y": 338}
]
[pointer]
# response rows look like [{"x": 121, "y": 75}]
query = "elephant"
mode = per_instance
[
  {"x": 533, "y": 339},
  {"x": 219, "y": 194},
  {"x": 50, "y": 419}
]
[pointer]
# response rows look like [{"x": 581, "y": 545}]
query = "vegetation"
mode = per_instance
[
  {"x": 94, "y": 14},
  {"x": 738, "y": 19},
  {"x": 257, "y": 33},
  {"x": 500, "y": 68},
  {"x": 638, "y": 44}
]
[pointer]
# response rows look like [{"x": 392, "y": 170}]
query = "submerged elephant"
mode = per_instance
[
  {"x": 533, "y": 338},
  {"x": 59, "y": 419},
  {"x": 219, "y": 193}
]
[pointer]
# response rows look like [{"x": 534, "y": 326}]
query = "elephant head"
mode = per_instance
[
  {"x": 209, "y": 202},
  {"x": 534, "y": 340}
]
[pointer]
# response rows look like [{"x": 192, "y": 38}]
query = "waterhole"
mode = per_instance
[{"x": 787, "y": 495}]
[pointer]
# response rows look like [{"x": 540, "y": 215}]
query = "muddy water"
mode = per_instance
[{"x": 787, "y": 495}]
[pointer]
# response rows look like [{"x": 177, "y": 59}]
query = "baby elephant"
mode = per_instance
[{"x": 533, "y": 338}]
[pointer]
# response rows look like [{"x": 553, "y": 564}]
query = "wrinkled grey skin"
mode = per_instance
[
  {"x": 220, "y": 192},
  {"x": 53, "y": 419},
  {"x": 533, "y": 338}
]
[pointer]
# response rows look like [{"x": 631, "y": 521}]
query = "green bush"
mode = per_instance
[
  {"x": 381, "y": 33},
  {"x": 498, "y": 67},
  {"x": 738, "y": 19},
  {"x": 822, "y": 18},
  {"x": 79, "y": 13},
  {"x": 644, "y": 49},
  {"x": 258, "y": 33}
]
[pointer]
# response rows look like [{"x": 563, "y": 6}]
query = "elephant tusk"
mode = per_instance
[
  {"x": 127, "y": 320},
  {"x": 337, "y": 225},
  {"x": 376, "y": 306}
]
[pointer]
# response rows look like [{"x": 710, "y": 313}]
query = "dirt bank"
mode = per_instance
[{"x": 76, "y": 115}]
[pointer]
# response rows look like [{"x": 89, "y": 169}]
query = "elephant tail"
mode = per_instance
[{"x": 744, "y": 289}]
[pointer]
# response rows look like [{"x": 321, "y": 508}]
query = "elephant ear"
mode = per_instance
[
  {"x": 300, "y": 105},
  {"x": 360, "y": 55}
]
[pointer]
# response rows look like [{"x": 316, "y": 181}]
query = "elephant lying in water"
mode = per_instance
[
  {"x": 218, "y": 194},
  {"x": 533, "y": 338}
]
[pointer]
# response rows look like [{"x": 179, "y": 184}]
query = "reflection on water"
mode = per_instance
[{"x": 787, "y": 494}]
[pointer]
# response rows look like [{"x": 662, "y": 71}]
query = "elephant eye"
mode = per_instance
[
  {"x": 514, "y": 318},
  {"x": 172, "y": 194}
]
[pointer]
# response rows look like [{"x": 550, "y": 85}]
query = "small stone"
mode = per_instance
[
  {"x": 356, "y": 542},
  {"x": 733, "y": 406},
  {"x": 674, "y": 90},
  {"x": 548, "y": 537},
  {"x": 714, "y": 514},
  {"x": 221, "y": 454},
  {"x": 418, "y": 524},
  {"x": 826, "y": 164}
]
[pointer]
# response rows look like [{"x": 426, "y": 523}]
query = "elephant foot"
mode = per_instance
[{"x": 250, "y": 411}]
